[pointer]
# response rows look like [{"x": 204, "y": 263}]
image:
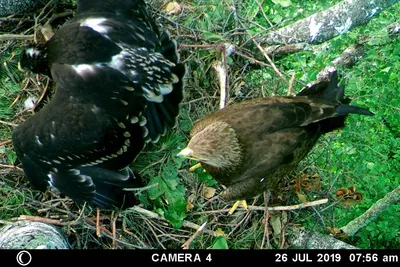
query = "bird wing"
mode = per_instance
[
  {"x": 148, "y": 62},
  {"x": 70, "y": 138},
  {"x": 270, "y": 133}
]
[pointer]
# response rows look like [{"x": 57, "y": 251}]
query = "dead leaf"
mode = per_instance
[
  {"x": 336, "y": 232},
  {"x": 315, "y": 182},
  {"x": 173, "y": 8},
  {"x": 302, "y": 197},
  {"x": 208, "y": 192},
  {"x": 284, "y": 217},
  {"x": 276, "y": 224},
  {"x": 342, "y": 192},
  {"x": 189, "y": 206}
]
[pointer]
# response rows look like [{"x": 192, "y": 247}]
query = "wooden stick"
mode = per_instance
[
  {"x": 5, "y": 37},
  {"x": 290, "y": 88},
  {"x": 8, "y": 123},
  {"x": 41, "y": 219},
  {"x": 132, "y": 234},
  {"x": 5, "y": 142},
  {"x": 186, "y": 245},
  {"x": 293, "y": 207},
  {"x": 270, "y": 61},
  {"x": 98, "y": 232}
]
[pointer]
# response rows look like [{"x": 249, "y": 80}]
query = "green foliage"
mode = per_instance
[{"x": 220, "y": 243}]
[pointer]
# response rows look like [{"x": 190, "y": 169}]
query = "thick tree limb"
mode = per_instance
[
  {"x": 314, "y": 240},
  {"x": 8, "y": 7},
  {"x": 373, "y": 212},
  {"x": 327, "y": 24},
  {"x": 32, "y": 235}
]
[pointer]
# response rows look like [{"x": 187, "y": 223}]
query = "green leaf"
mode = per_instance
[
  {"x": 212, "y": 37},
  {"x": 158, "y": 190},
  {"x": 220, "y": 243},
  {"x": 278, "y": 19},
  {"x": 283, "y": 3},
  {"x": 205, "y": 177},
  {"x": 176, "y": 213}
]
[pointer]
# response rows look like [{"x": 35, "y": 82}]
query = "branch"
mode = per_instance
[
  {"x": 32, "y": 235},
  {"x": 251, "y": 207},
  {"x": 314, "y": 240},
  {"x": 5, "y": 37},
  {"x": 372, "y": 213},
  {"x": 327, "y": 24}
]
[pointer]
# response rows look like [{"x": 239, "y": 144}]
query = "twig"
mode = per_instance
[
  {"x": 132, "y": 234},
  {"x": 98, "y": 232},
  {"x": 283, "y": 237},
  {"x": 43, "y": 93},
  {"x": 41, "y": 219},
  {"x": 270, "y": 61},
  {"x": 221, "y": 70},
  {"x": 267, "y": 216},
  {"x": 8, "y": 123},
  {"x": 186, "y": 245},
  {"x": 240, "y": 223},
  {"x": 252, "y": 59},
  {"x": 290, "y": 88},
  {"x": 9, "y": 73},
  {"x": 154, "y": 233},
  {"x": 5, "y": 142},
  {"x": 114, "y": 230},
  {"x": 5, "y": 37},
  {"x": 10, "y": 166},
  {"x": 14, "y": 20},
  {"x": 293, "y": 207},
  {"x": 154, "y": 215}
]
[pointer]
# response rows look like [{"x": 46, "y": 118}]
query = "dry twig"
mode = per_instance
[{"x": 186, "y": 245}]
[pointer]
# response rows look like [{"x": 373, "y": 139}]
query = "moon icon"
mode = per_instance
[{"x": 24, "y": 258}]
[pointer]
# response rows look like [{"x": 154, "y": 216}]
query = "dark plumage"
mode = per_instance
[
  {"x": 250, "y": 146},
  {"x": 119, "y": 85}
]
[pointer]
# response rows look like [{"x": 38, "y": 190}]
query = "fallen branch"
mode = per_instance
[
  {"x": 300, "y": 238},
  {"x": 372, "y": 213},
  {"x": 327, "y": 24}
]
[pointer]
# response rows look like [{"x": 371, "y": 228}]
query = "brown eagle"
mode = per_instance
[{"x": 250, "y": 146}]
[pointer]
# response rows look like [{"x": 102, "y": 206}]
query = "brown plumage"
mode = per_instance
[{"x": 250, "y": 146}]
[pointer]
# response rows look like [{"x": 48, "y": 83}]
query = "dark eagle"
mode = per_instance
[{"x": 119, "y": 86}]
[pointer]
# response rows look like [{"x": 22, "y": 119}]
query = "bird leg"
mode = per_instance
[
  {"x": 242, "y": 203},
  {"x": 196, "y": 166}
]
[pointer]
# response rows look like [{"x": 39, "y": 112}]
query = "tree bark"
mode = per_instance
[
  {"x": 32, "y": 235},
  {"x": 327, "y": 24},
  {"x": 10, "y": 7},
  {"x": 313, "y": 240}
]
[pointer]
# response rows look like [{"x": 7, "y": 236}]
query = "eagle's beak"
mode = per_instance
[
  {"x": 20, "y": 68},
  {"x": 185, "y": 153}
]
